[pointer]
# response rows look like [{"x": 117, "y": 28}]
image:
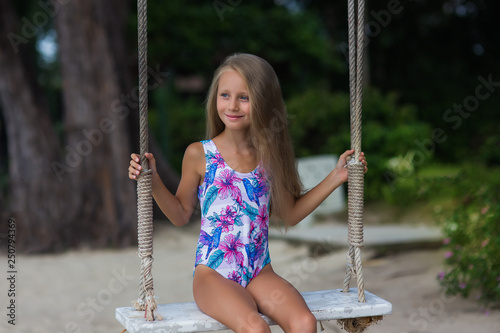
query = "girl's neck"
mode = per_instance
[{"x": 236, "y": 141}]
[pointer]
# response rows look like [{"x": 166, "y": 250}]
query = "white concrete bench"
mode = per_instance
[
  {"x": 312, "y": 170},
  {"x": 186, "y": 317}
]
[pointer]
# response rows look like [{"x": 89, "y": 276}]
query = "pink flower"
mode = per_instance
[
  {"x": 485, "y": 242},
  {"x": 226, "y": 219},
  {"x": 441, "y": 276},
  {"x": 446, "y": 241},
  {"x": 226, "y": 183},
  {"x": 462, "y": 285},
  {"x": 235, "y": 277},
  {"x": 231, "y": 247},
  {"x": 217, "y": 158},
  {"x": 263, "y": 217},
  {"x": 448, "y": 254},
  {"x": 485, "y": 209}
]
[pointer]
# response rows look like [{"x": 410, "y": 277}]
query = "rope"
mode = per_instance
[
  {"x": 146, "y": 301},
  {"x": 355, "y": 167}
]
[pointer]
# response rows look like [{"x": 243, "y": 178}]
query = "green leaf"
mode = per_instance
[
  {"x": 215, "y": 259},
  {"x": 251, "y": 211},
  {"x": 209, "y": 199}
]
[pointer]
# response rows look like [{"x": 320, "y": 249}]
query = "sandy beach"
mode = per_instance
[{"x": 78, "y": 291}]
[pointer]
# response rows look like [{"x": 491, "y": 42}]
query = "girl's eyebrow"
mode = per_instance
[{"x": 243, "y": 92}]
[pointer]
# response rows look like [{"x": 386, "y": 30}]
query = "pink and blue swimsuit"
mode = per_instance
[{"x": 234, "y": 219}]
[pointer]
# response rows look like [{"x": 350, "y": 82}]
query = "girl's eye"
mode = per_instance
[
  {"x": 224, "y": 95},
  {"x": 245, "y": 98}
]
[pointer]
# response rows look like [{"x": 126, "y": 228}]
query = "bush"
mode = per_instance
[
  {"x": 473, "y": 238},
  {"x": 409, "y": 183},
  {"x": 176, "y": 122},
  {"x": 320, "y": 124}
]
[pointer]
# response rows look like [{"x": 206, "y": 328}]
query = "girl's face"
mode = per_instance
[{"x": 233, "y": 104}]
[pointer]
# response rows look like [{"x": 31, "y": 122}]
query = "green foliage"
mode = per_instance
[
  {"x": 442, "y": 76},
  {"x": 194, "y": 38},
  {"x": 409, "y": 183},
  {"x": 319, "y": 124},
  {"x": 176, "y": 122},
  {"x": 467, "y": 200},
  {"x": 489, "y": 151},
  {"x": 473, "y": 237}
]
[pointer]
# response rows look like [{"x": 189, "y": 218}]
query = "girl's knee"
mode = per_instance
[{"x": 305, "y": 322}]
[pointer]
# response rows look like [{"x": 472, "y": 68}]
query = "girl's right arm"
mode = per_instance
[{"x": 177, "y": 208}]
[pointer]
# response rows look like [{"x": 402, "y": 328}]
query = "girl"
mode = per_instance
[{"x": 243, "y": 172}]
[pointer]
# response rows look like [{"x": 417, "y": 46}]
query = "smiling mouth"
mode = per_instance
[{"x": 233, "y": 117}]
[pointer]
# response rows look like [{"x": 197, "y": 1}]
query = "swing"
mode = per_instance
[{"x": 354, "y": 308}]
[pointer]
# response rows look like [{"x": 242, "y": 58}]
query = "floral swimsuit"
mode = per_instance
[{"x": 234, "y": 219}]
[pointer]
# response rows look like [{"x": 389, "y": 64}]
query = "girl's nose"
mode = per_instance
[{"x": 233, "y": 105}]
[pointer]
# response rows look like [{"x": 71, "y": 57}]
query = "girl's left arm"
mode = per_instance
[{"x": 309, "y": 201}]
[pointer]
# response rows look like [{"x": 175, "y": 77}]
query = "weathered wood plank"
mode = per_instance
[{"x": 186, "y": 317}]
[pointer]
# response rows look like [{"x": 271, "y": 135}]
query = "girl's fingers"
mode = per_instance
[
  {"x": 135, "y": 157},
  {"x": 135, "y": 165},
  {"x": 133, "y": 172},
  {"x": 150, "y": 157},
  {"x": 346, "y": 155}
]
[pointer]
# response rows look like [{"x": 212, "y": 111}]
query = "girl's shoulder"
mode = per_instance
[
  {"x": 194, "y": 159},
  {"x": 195, "y": 151}
]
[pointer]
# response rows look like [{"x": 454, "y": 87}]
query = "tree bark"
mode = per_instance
[
  {"x": 97, "y": 150},
  {"x": 76, "y": 192},
  {"x": 36, "y": 199}
]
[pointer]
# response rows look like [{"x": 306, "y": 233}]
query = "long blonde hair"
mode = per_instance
[{"x": 269, "y": 130}]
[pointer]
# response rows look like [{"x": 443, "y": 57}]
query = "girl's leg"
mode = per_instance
[
  {"x": 227, "y": 302},
  {"x": 279, "y": 300}
]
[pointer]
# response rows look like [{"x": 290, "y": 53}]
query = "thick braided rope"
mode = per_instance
[
  {"x": 355, "y": 168},
  {"x": 146, "y": 301}
]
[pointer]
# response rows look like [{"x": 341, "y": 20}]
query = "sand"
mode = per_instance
[{"x": 78, "y": 291}]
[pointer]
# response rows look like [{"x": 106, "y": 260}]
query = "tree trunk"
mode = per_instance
[
  {"x": 37, "y": 199},
  {"x": 97, "y": 150},
  {"x": 77, "y": 192}
]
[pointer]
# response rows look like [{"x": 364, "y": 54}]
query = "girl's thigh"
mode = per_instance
[
  {"x": 279, "y": 300},
  {"x": 226, "y": 301}
]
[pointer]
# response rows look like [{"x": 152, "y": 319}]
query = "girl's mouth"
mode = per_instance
[{"x": 232, "y": 117}]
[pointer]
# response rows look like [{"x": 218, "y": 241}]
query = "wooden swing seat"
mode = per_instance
[{"x": 186, "y": 317}]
